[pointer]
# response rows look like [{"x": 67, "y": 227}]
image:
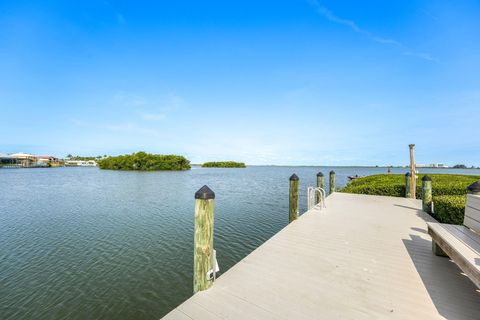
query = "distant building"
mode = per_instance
[
  {"x": 27, "y": 160},
  {"x": 431, "y": 165},
  {"x": 51, "y": 161},
  {"x": 80, "y": 163},
  {"x": 7, "y": 160},
  {"x": 438, "y": 165}
]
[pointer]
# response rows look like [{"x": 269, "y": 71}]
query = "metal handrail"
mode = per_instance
[{"x": 312, "y": 192}]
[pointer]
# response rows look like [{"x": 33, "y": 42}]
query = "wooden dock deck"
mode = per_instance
[{"x": 363, "y": 257}]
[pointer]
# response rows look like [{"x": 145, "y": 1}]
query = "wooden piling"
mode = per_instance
[
  {"x": 474, "y": 188},
  {"x": 413, "y": 186},
  {"x": 427, "y": 194},
  {"x": 319, "y": 185},
  {"x": 293, "y": 198},
  {"x": 331, "y": 187},
  {"x": 408, "y": 185},
  {"x": 203, "y": 241}
]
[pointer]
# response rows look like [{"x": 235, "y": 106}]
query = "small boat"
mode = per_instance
[{"x": 354, "y": 177}]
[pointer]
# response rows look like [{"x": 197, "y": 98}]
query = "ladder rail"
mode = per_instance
[{"x": 312, "y": 192}]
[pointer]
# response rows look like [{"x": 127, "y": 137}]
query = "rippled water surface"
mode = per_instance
[{"x": 83, "y": 243}]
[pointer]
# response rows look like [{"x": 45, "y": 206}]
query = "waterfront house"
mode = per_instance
[
  {"x": 27, "y": 160},
  {"x": 80, "y": 163},
  {"x": 47, "y": 161},
  {"x": 24, "y": 159},
  {"x": 7, "y": 160}
]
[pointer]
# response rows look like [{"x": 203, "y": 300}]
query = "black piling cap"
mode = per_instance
[
  {"x": 205, "y": 193},
  {"x": 319, "y": 174},
  {"x": 474, "y": 187},
  {"x": 332, "y": 172},
  {"x": 294, "y": 177},
  {"x": 426, "y": 178},
  {"x": 408, "y": 174}
]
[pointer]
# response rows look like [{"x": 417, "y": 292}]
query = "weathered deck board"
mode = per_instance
[{"x": 364, "y": 257}]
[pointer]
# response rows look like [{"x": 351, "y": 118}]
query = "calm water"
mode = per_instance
[{"x": 82, "y": 243}]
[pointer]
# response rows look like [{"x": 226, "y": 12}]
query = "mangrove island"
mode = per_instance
[
  {"x": 224, "y": 164},
  {"x": 143, "y": 161}
]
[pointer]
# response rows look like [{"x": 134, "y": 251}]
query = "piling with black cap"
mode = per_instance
[
  {"x": 319, "y": 185},
  {"x": 331, "y": 187},
  {"x": 293, "y": 197},
  {"x": 203, "y": 241},
  {"x": 474, "y": 188},
  {"x": 427, "y": 194},
  {"x": 408, "y": 185}
]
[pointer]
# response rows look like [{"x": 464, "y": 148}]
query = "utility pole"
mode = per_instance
[{"x": 412, "y": 172}]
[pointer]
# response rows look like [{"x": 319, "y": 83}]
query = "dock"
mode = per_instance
[{"x": 361, "y": 257}]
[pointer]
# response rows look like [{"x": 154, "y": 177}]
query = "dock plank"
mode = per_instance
[{"x": 363, "y": 257}]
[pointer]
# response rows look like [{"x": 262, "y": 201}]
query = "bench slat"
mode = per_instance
[
  {"x": 474, "y": 201},
  {"x": 465, "y": 235},
  {"x": 472, "y": 212},
  {"x": 470, "y": 223},
  {"x": 460, "y": 248}
]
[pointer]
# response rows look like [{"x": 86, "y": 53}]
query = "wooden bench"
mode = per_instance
[{"x": 461, "y": 243}]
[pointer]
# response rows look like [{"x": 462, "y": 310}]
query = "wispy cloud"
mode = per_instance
[
  {"x": 149, "y": 109},
  {"x": 129, "y": 99},
  {"x": 122, "y": 127},
  {"x": 152, "y": 116},
  {"x": 158, "y": 110},
  {"x": 131, "y": 128},
  {"x": 173, "y": 102},
  {"x": 330, "y": 16}
]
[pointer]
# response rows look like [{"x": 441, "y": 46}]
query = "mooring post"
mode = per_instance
[
  {"x": 331, "y": 187},
  {"x": 319, "y": 185},
  {"x": 474, "y": 188},
  {"x": 427, "y": 194},
  {"x": 408, "y": 185},
  {"x": 203, "y": 263},
  {"x": 413, "y": 182},
  {"x": 293, "y": 199}
]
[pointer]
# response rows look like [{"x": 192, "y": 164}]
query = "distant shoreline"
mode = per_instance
[{"x": 350, "y": 166}]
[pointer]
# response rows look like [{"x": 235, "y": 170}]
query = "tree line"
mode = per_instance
[{"x": 224, "y": 164}]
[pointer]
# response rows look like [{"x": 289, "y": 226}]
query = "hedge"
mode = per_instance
[
  {"x": 448, "y": 191},
  {"x": 394, "y": 184},
  {"x": 449, "y": 209}
]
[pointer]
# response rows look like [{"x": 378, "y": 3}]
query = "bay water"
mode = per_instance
[{"x": 85, "y": 243}]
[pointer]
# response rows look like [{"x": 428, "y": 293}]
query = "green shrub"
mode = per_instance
[
  {"x": 384, "y": 189},
  {"x": 394, "y": 185},
  {"x": 448, "y": 190},
  {"x": 447, "y": 184},
  {"x": 449, "y": 209},
  {"x": 143, "y": 161}
]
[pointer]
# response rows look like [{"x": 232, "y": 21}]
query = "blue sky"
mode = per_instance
[{"x": 265, "y": 82}]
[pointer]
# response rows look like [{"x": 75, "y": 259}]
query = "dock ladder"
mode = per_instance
[{"x": 315, "y": 197}]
